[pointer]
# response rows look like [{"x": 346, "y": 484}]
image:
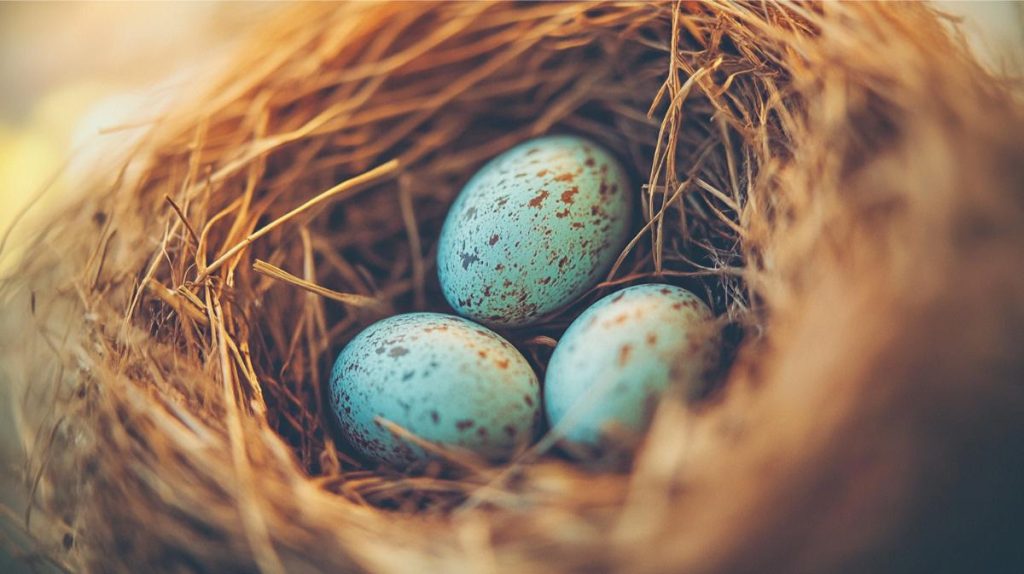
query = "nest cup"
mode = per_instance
[{"x": 841, "y": 183}]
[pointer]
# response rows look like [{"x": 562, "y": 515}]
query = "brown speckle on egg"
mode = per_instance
[
  {"x": 624, "y": 353},
  {"x": 548, "y": 205},
  {"x": 445, "y": 370}
]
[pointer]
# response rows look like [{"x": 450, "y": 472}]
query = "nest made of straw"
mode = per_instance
[{"x": 842, "y": 182}]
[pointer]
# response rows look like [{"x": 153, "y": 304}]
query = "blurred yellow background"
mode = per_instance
[{"x": 70, "y": 70}]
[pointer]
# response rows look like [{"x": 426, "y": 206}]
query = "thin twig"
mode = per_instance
[
  {"x": 352, "y": 299},
  {"x": 373, "y": 176},
  {"x": 184, "y": 220}
]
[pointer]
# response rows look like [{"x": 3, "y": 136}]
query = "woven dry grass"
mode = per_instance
[{"x": 842, "y": 182}]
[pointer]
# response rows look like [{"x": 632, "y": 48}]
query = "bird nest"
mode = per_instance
[{"x": 841, "y": 182}]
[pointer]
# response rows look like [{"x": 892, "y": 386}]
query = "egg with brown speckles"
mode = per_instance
[
  {"x": 533, "y": 230},
  {"x": 442, "y": 378},
  {"x": 615, "y": 360}
]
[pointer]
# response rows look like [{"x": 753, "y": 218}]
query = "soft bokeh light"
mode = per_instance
[{"x": 71, "y": 70}]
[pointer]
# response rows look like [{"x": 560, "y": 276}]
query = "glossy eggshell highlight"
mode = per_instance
[
  {"x": 616, "y": 359},
  {"x": 533, "y": 230},
  {"x": 443, "y": 378}
]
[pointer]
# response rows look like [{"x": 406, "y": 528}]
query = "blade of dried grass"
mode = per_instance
[
  {"x": 358, "y": 301},
  {"x": 375, "y": 175},
  {"x": 249, "y": 508}
]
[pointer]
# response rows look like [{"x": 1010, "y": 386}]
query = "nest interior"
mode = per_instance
[{"x": 842, "y": 183}]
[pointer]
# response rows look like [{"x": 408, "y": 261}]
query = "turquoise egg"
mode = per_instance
[
  {"x": 442, "y": 378},
  {"x": 615, "y": 360},
  {"x": 533, "y": 230}
]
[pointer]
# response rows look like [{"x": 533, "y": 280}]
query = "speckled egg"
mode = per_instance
[
  {"x": 440, "y": 377},
  {"x": 616, "y": 359},
  {"x": 533, "y": 230}
]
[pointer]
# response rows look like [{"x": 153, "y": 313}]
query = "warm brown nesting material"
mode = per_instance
[{"x": 843, "y": 182}]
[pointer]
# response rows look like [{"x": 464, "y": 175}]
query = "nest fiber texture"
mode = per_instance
[{"x": 843, "y": 183}]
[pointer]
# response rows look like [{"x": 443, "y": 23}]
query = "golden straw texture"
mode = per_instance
[{"x": 842, "y": 182}]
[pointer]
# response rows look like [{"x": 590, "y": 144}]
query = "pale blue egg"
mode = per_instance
[
  {"x": 444, "y": 379},
  {"x": 615, "y": 360},
  {"x": 533, "y": 230}
]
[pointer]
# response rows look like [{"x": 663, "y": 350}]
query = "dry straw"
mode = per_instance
[{"x": 842, "y": 181}]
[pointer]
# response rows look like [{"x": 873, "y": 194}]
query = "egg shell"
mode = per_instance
[
  {"x": 616, "y": 359},
  {"x": 533, "y": 230},
  {"x": 443, "y": 378}
]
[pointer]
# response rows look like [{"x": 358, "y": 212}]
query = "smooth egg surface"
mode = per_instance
[
  {"x": 533, "y": 230},
  {"x": 444, "y": 379},
  {"x": 615, "y": 360}
]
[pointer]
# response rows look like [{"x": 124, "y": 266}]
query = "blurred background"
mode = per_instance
[{"x": 72, "y": 72}]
